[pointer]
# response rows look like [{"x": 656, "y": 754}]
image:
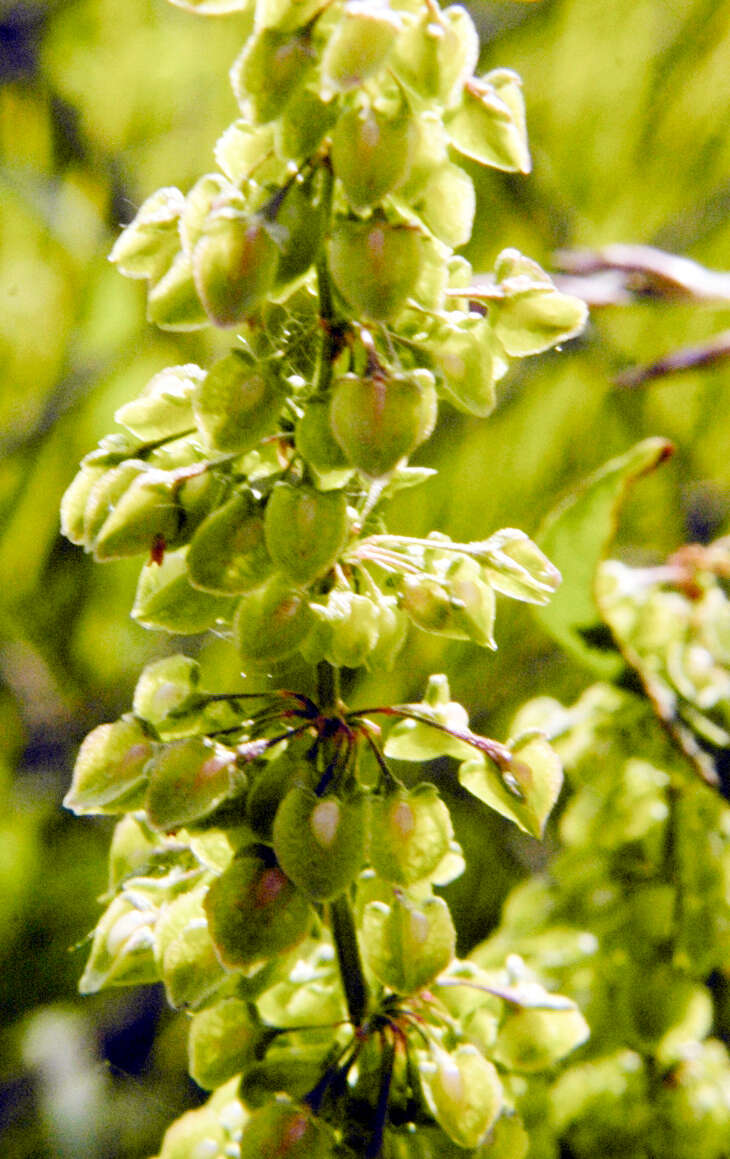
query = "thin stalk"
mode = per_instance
[
  {"x": 348, "y": 959},
  {"x": 328, "y": 688},
  {"x": 328, "y": 349}
]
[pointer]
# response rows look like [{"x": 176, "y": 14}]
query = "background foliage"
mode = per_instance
[{"x": 100, "y": 104}]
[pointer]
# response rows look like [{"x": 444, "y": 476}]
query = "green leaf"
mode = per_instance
[
  {"x": 408, "y": 943},
  {"x": 254, "y": 910},
  {"x": 166, "y": 599},
  {"x": 462, "y": 1091},
  {"x": 222, "y": 1041},
  {"x": 576, "y": 535},
  {"x": 110, "y": 770},
  {"x": 188, "y": 779},
  {"x": 526, "y": 792},
  {"x": 410, "y": 834},
  {"x": 184, "y": 951}
]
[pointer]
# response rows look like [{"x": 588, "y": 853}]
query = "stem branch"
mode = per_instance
[{"x": 348, "y": 959}]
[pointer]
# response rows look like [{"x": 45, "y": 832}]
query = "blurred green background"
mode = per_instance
[{"x": 101, "y": 102}]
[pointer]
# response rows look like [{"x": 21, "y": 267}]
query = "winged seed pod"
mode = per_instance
[{"x": 269, "y": 868}]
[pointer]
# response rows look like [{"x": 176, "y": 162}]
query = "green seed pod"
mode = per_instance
[
  {"x": 286, "y": 14},
  {"x": 463, "y": 1092},
  {"x": 359, "y": 45},
  {"x": 286, "y": 1130},
  {"x": 378, "y": 420},
  {"x": 237, "y": 404},
  {"x": 149, "y": 243},
  {"x": 189, "y": 778},
  {"x": 489, "y": 123},
  {"x": 222, "y": 1041},
  {"x": 375, "y": 265},
  {"x": 208, "y": 194},
  {"x": 243, "y": 149},
  {"x": 300, "y": 217},
  {"x": 271, "y": 783},
  {"x": 164, "y": 408},
  {"x": 532, "y": 1040},
  {"x": 304, "y": 122},
  {"x": 392, "y": 632},
  {"x": 462, "y": 356},
  {"x": 234, "y": 265},
  {"x": 407, "y": 943},
  {"x": 271, "y": 622},
  {"x": 305, "y": 530},
  {"x": 173, "y": 302},
  {"x": 109, "y": 773},
  {"x": 320, "y": 841},
  {"x": 427, "y": 603},
  {"x": 435, "y": 56},
  {"x": 447, "y": 204},
  {"x": 315, "y": 441},
  {"x": 148, "y": 511},
  {"x": 353, "y": 622},
  {"x": 410, "y": 834},
  {"x": 105, "y": 493},
  {"x": 371, "y": 153},
  {"x": 473, "y": 602},
  {"x": 254, "y": 910},
  {"x": 228, "y": 552},
  {"x": 76, "y": 497},
  {"x": 273, "y": 64}
]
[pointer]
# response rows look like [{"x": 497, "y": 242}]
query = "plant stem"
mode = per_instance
[
  {"x": 348, "y": 959},
  {"x": 328, "y": 688},
  {"x": 326, "y": 305}
]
